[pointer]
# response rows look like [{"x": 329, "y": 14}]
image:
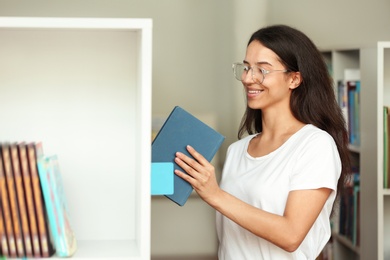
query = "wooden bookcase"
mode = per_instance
[{"x": 82, "y": 86}]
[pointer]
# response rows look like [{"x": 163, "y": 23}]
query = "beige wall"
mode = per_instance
[
  {"x": 333, "y": 23},
  {"x": 194, "y": 44}
]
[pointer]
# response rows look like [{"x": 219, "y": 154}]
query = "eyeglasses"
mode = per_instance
[{"x": 241, "y": 70}]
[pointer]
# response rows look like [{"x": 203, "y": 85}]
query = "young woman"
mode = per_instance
[{"x": 280, "y": 180}]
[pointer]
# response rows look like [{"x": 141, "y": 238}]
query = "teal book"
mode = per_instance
[
  {"x": 54, "y": 196},
  {"x": 179, "y": 130}
]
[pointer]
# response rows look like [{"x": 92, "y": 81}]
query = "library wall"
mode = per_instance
[{"x": 335, "y": 24}]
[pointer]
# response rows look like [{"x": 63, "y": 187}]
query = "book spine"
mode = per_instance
[
  {"x": 21, "y": 199},
  {"x": 6, "y": 210},
  {"x": 3, "y": 236},
  {"x": 29, "y": 199},
  {"x": 38, "y": 200},
  {"x": 13, "y": 199},
  {"x": 12, "y": 195},
  {"x": 385, "y": 147}
]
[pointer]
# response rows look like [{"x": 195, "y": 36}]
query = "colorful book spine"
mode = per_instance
[
  {"x": 354, "y": 111},
  {"x": 32, "y": 150},
  {"x": 12, "y": 197},
  {"x": 54, "y": 195},
  {"x": 385, "y": 147},
  {"x": 21, "y": 199},
  {"x": 25, "y": 168},
  {"x": 3, "y": 236},
  {"x": 6, "y": 211}
]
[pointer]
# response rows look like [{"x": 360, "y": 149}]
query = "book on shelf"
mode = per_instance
[
  {"x": 6, "y": 208},
  {"x": 385, "y": 146},
  {"x": 353, "y": 87},
  {"x": 348, "y": 90},
  {"x": 19, "y": 162},
  {"x": 35, "y": 150},
  {"x": 23, "y": 216},
  {"x": 179, "y": 130},
  {"x": 54, "y": 196},
  {"x": 349, "y": 217},
  {"x": 30, "y": 206},
  {"x": 11, "y": 180},
  {"x": 3, "y": 236}
]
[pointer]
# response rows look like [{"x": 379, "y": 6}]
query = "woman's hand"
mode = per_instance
[{"x": 200, "y": 174}]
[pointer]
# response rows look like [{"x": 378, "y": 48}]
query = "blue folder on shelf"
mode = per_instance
[{"x": 179, "y": 130}]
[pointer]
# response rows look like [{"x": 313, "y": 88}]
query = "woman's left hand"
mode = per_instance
[{"x": 200, "y": 174}]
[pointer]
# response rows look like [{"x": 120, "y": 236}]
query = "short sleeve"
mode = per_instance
[{"x": 318, "y": 164}]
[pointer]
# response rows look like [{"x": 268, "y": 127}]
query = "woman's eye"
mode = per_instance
[{"x": 263, "y": 71}]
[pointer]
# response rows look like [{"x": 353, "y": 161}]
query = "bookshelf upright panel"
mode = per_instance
[
  {"x": 82, "y": 86},
  {"x": 383, "y": 193},
  {"x": 343, "y": 60},
  {"x": 364, "y": 155}
]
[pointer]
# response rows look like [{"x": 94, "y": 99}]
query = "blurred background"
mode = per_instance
[{"x": 194, "y": 44}]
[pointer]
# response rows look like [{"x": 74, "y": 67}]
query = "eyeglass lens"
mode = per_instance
[{"x": 241, "y": 71}]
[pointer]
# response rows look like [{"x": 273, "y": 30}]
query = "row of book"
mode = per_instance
[
  {"x": 349, "y": 216},
  {"x": 34, "y": 220},
  {"x": 349, "y": 100}
]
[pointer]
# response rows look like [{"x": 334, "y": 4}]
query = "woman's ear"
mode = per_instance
[{"x": 296, "y": 80}]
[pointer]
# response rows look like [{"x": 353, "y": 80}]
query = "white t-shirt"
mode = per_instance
[{"x": 307, "y": 160}]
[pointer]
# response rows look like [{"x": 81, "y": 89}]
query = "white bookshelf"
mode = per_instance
[
  {"x": 82, "y": 86},
  {"x": 367, "y": 155},
  {"x": 339, "y": 61},
  {"x": 383, "y": 194}
]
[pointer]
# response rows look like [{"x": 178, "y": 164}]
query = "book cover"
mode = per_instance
[
  {"x": 179, "y": 130},
  {"x": 53, "y": 192},
  {"x": 12, "y": 198},
  {"x": 3, "y": 236},
  {"x": 33, "y": 151},
  {"x": 21, "y": 199},
  {"x": 6, "y": 208},
  {"x": 161, "y": 178},
  {"x": 25, "y": 169}
]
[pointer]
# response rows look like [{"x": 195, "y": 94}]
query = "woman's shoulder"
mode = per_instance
[{"x": 314, "y": 134}]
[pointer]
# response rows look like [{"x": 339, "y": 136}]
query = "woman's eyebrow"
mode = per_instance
[{"x": 259, "y": 63}]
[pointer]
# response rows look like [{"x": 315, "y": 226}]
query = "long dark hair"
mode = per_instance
[{"x": 314, "y": 101}]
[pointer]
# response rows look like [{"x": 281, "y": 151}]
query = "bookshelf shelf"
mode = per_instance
[
  {"x": 82, "y": 86},
  {"x": 354, "y": 148},
  {"x": 346, "y": 242}
]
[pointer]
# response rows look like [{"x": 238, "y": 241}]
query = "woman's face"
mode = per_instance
[{"x": 275, "y": 90}]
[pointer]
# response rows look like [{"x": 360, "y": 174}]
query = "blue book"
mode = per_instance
[
  {"x": 54, "y": 196},
  {"x": 179, "y": 130}
]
